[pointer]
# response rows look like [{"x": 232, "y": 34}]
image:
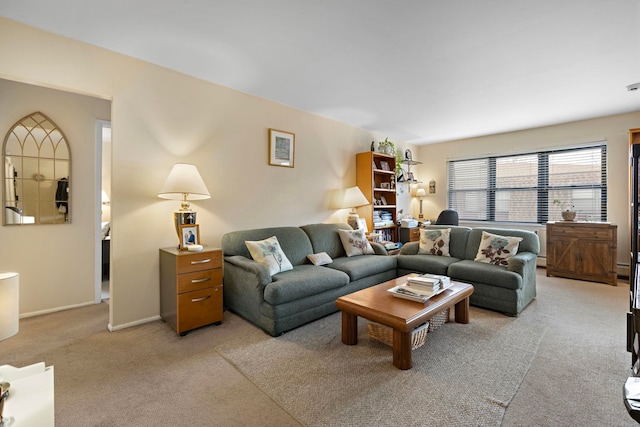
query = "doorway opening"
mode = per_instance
[{"x": 103, "y": 246}]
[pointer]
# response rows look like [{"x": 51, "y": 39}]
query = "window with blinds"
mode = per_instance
[{"x": 523, "y": 187}]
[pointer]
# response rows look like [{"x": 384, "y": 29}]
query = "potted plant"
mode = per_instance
[
  {"x": 398, "y": 163},
  {"x": 567, "y": 210},
  {"x": 387, "y": 147}
]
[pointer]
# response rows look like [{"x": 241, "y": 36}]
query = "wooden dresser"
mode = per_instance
[
  {"x": 190, "y": 288},
  {"x": 409, "y": 234},
  {"x": 582, "y": 250}
]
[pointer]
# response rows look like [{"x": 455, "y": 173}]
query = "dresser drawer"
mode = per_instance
[
  {"x": 191, "y": 288},
  {"x": 199, "y": 280},
  {"x": 198, "y": 261},
  {"x": 414, "y": 234},
  {"x": 599, "y": 233},
  {"x": 199, "y": 308}
]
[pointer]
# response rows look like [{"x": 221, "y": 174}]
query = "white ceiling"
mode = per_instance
[{"x": 420, "y": 71}]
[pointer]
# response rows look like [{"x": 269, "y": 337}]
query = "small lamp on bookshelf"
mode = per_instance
[{"x": 420, "y": 194}]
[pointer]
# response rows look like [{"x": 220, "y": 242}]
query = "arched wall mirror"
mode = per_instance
[{"x": 37, "y": 165}]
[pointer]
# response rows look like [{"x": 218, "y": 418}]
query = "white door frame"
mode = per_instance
[{"x": 100, "y": 126}]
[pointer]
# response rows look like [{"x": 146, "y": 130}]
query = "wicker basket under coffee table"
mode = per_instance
[
  {"x": 401, "y": 315},
  {"x": 384, "y": 334}
]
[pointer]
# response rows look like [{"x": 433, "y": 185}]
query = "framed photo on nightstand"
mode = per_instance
[{"x": 189, "y": 235}]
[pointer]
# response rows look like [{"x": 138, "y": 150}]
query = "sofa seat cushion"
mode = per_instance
[
  {"x": 301, "y": 282},
  {"x": 480, "y": 272},
  {"x": 364, "y": 265},
  {"x": 426, "y": 263}
]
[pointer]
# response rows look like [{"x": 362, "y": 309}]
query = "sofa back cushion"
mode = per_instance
[
  {"x": 325, "y": 238},
  {"x": 530, "y": 241},
  {"x": 457, "y": 239},
  {"x": 293, "y": 241}
]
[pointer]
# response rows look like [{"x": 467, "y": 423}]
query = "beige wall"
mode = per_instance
[
  {"x": 52, "y": 259},
  {"x": 160, "y": 117},
  {"x": 613, "y": 130}
]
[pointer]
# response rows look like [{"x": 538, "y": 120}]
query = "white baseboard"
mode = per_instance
[
  {"x": 623, "y": 269},
  {"x": 56, "y": 309},
  {"x": 131, "y": 324}
]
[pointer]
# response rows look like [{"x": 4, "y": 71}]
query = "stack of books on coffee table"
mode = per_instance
[{"x": 421, "y": 288}]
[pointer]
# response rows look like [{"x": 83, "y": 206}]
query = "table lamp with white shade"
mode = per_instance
[
  {"x": 184, "y": 183},
  {"x": 353, "y": 198}
]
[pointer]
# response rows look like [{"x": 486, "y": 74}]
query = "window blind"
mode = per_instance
[{"x": 523, "y": 187}]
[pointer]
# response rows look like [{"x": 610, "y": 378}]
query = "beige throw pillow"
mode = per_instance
[
  {"x": 495, "y": 249},
  {"x": 435, "y": 241},
  {"x": 269, "y": 253},
  {"x": 355, "y": 243}
]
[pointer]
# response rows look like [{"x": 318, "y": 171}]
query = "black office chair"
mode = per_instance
[{"x": 447, "y": 217}]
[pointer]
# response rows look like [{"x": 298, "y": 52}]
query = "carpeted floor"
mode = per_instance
[
  {"x": 562, "y": 362},
  {"x": 457, "y": 376}
]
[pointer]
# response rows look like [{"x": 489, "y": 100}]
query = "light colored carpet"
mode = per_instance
[
  {"x": 562, "y": 362},
  {"x": 462, "y": 373}
]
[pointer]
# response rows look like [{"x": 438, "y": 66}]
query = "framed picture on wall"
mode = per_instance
[
  {"x": 189, "y": 235},
  {"x": 281, "y": 148}
]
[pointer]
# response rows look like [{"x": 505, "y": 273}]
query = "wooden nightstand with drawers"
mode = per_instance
[{"x": 190, "y": 288}]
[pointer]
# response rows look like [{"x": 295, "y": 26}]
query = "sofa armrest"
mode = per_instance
[
  {"x": 522, "y": 261},
  {"x": 259, "y": 271},
  {"x": 410, "y": 248},
  {"x": 379, "y": 249}
]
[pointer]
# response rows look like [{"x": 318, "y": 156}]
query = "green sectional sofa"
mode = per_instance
[
  {"x": 308, "y": 292},
  {"x": 285, "y": 300},
  {"x": 505, "y": 289}
]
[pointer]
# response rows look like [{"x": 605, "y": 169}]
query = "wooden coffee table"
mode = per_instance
[{"x": 401, "y": 315}]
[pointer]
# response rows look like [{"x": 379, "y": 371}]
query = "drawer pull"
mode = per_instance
[
  {"x": 206, "y": 279},
  {"x": 200, "y": 299},
  {"x": 202, "y": 261}
]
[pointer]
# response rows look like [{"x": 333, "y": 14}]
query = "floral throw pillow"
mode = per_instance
[
  {"x": 355, "y": 243},
  {"x": 435, "y": 241},
  {"x": 269, "y": 253},
  {"x": 495, "y": 249}
]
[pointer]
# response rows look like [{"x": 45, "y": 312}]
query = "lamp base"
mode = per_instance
[
  {"x": 352, "y": 220},
  {"x": 181, "y": 218}
]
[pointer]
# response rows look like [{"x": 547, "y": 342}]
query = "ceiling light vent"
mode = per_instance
[{"x": 634, "y": 86}]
